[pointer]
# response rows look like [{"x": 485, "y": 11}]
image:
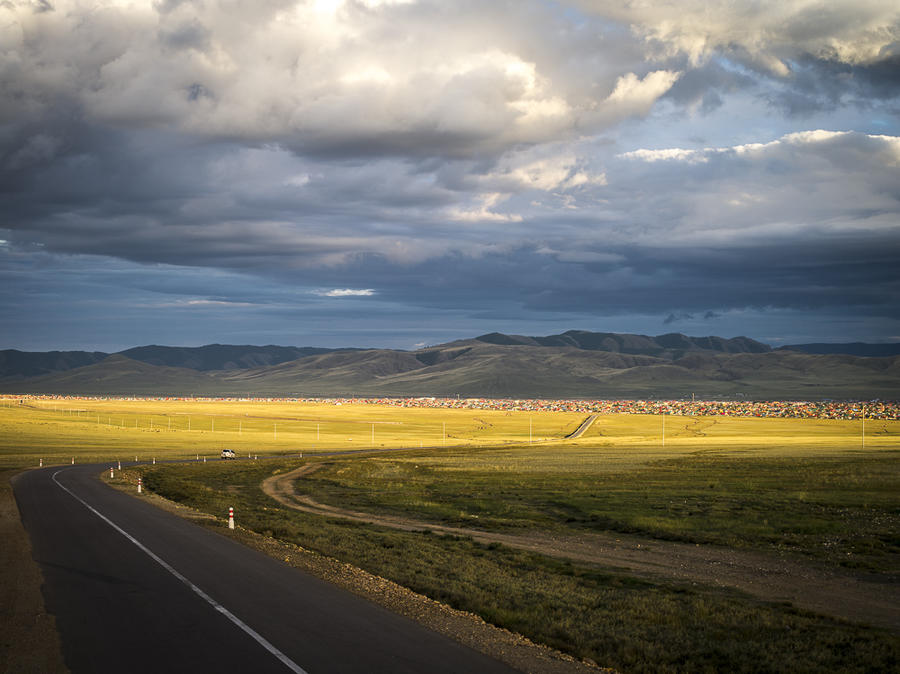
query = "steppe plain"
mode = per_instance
[{"x": 621, "y": 548}]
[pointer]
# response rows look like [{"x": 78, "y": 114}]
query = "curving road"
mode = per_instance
[{"x": 136, "y": 589}]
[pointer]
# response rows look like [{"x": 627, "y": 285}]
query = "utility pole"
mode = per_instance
[{"x": 863, "y": 426}]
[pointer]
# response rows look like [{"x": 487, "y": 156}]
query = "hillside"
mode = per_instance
[
  {"x": 671, "y": 345},
  {"x": 118, "y": 375},
  {"x": 850, "y": 349},
  {"x": 515, "y": 369},
  {"x": 25, "y": 364},
  {"x": 16, "y": 364},
  {"x": 219, "y": 356}
]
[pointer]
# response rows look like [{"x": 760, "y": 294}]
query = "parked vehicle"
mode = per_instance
[{"x": 228, "y": 454}]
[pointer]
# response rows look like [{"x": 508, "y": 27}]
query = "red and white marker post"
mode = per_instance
[
  {"x": 139, "y": 485},
  {"x": 40, "y": 463},
  {"x": 111, "y": 474},
  {"x": 73, "y": 460},
  {"x": 231, "y": 518}
]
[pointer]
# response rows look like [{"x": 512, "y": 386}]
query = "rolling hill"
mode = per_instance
[
  {"x": 850, "y": 349},
  {"x": 573, "y": 364}
]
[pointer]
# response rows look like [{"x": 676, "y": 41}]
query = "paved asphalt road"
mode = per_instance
[{"x": 136, "y": 589}]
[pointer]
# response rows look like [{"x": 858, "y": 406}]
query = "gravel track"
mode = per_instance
[{"x": 859, "y": 597}]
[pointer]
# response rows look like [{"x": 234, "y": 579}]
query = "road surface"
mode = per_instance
[
  {"x": 586, "y": 424},
  {"x": 136, "y": 589}
]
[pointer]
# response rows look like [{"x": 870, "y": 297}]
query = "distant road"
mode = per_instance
[
  {"x": 586, "y": 424},
  {"x": 136, "y": 589}
]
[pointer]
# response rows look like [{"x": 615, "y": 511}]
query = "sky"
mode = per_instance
[{"x": 401, "y": 173}]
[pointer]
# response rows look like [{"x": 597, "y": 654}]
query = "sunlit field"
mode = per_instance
[
  {"x": 824, "y": 490},
  {"x": 815, "y": 490},
  {"x": 88, "y": 430},
  {"x": 57, "y": 431}
]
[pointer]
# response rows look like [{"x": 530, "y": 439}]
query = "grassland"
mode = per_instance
[
  {"x": 100, "y": 430},
  {"x": 805, "y": 486},
  {"x": 801, "y": 485}
]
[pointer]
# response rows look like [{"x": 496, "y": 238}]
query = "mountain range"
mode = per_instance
[{"x": 572, "y": 364}]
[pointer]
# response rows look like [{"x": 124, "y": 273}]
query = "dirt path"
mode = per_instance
[{"x": 771, "y": 577}]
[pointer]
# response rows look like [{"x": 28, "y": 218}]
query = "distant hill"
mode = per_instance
[
  {"x": 219, "y": 356},
  {"x": 670, "y": 345},
  {"x": 850, "y": 349},
  {"x": 22, "y": 364},
  {"x": 118, "y": 375},
  {"x": 575, "y": 364}
]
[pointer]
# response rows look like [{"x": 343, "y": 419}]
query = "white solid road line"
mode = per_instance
[{"x": 290, "y": 664}]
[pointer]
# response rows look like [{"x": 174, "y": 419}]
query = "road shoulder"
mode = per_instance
[{"x": 29, "y": 641}]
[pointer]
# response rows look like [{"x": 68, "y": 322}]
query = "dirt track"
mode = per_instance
[{"x": 859, "y": 597}]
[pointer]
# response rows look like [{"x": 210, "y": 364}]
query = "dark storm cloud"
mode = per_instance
[
  {"x": 821, "y": 84},
  {"x": 348, "y": 161},
  {"x": 707, "y": 85},
  {"x": 680, "y": 230}
]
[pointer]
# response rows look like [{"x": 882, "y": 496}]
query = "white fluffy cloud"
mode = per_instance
[
  {"x": 805, "y": 190},
  {"x": 431, "y": 77},
  {"x": 768, "y": 32}
]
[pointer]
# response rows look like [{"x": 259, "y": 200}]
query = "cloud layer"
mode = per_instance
[{"x": 497, "y": 165}]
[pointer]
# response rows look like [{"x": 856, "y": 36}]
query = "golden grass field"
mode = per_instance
[
  {"x": 817, "y": 490},
  {"x": 56, "y": 431}
]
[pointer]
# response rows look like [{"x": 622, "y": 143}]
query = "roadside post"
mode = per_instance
[
  {"x": 139, "y": 485},
  {"x": 111, "y": 474},
  {"x": 231, "y": 518},
  {"x": 40, "y": 463}
]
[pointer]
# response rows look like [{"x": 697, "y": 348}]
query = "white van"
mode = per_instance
[{"x": 228, "y": 454}]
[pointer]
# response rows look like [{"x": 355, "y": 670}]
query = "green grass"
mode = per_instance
[
  {"x": 629, "y": 624},
  {"x": 806, "y": 485},
  {"x": 844, "y": 509}
]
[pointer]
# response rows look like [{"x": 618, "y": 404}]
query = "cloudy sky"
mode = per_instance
[{"x": 396, "y": 173}]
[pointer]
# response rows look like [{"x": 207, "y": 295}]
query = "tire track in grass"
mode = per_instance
[{"x": 770, "y": 577}]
